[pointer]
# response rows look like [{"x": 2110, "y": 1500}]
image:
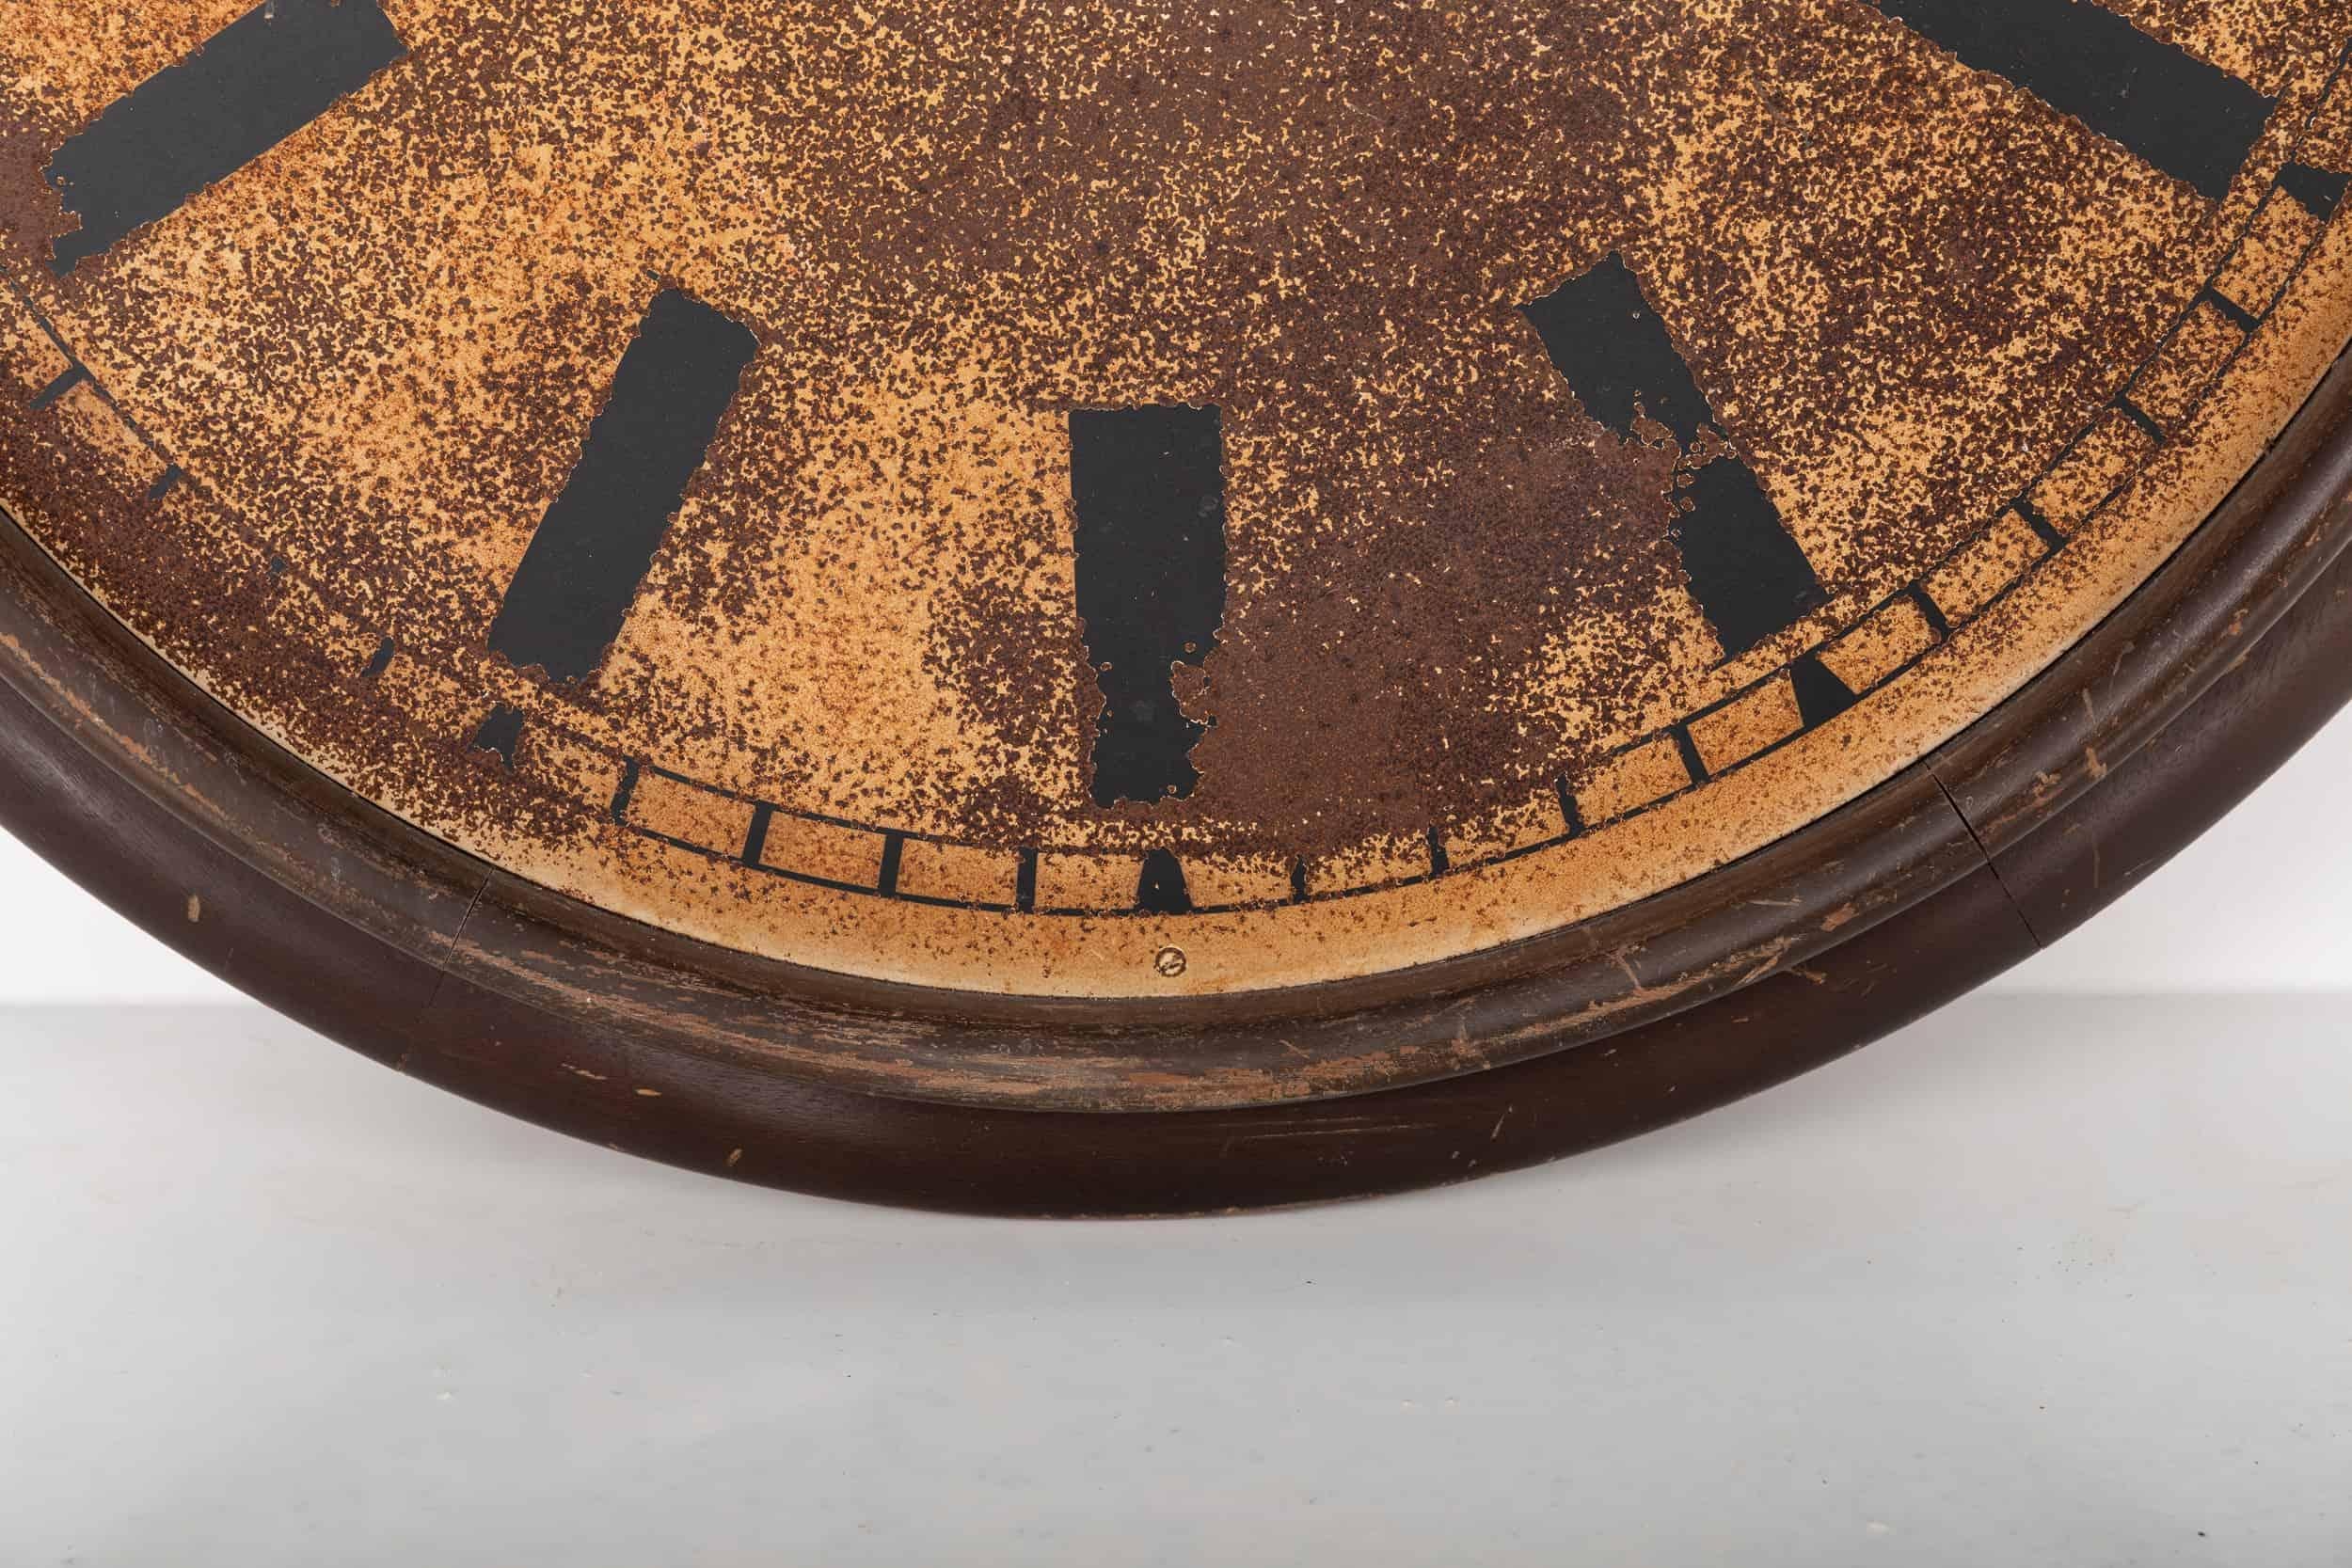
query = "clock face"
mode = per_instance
[{"x": 1139, "y": 500}]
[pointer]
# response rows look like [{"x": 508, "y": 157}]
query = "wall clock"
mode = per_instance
[{"x": 1150, "y": 606}]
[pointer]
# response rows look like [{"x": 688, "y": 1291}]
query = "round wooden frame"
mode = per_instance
[{"x": 190, "y": 823}]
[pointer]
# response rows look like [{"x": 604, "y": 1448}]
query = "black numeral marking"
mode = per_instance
[
  {"x": 586, "y": 563},
  {"x": 252, "y": 85},
  {"x": 2318, "y": 190},
  {"x": 2193, "y": 120},
  {"x": 1149, "y": 486},
  {"x": 1749, "y": 576}
]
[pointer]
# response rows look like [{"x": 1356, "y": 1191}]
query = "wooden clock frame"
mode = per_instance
[{"x": 197, "y": 828}]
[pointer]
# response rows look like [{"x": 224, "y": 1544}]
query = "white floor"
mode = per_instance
[{"x": 2042, "y": 1281}]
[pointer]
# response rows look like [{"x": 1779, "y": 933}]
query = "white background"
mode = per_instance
[{"x": 2046, "y": 1281}]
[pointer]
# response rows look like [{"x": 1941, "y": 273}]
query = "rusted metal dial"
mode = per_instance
[{"x": 1115, "y": 501}]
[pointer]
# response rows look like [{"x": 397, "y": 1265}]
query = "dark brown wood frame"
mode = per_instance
[{"x": 185, "y": 820}]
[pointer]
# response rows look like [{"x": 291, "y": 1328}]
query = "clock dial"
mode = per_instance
[{"x": 1120, "y": 500}]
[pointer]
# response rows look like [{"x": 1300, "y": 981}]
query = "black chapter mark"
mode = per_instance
[
  {"x": 2043, "y": 528},
  {"x": 72, "y": 376},
  {"x": 2239, "y": 317},
  {"x": 1571, "y": 818},
  {"x": 1751, "y": 579},
  {"x": 625, "y": 791},
  {"x": 1149, "y": 488},
  {"x": 756, "y": 835},
  {"x": 1939, "y": 625},
  {"x": 2141, "y": 418},
  {"x": 1161, "y": 889},
  {"x": 251, "y": 85},
  {"x": 1820, "y": 695},
  {"x": 2193, "y": 120},
  {"x": 592, "y": 550},
  {"x": 1686, "y": 747}
]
